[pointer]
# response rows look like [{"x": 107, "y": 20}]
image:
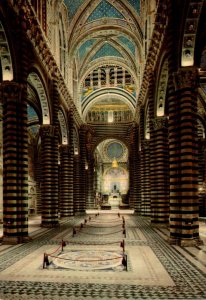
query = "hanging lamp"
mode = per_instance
[{"x": 114, "y": 163}]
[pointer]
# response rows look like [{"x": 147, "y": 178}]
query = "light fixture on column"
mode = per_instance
[{"x": 114, "y": 163}]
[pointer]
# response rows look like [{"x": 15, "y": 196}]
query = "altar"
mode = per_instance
[{"x": 115, "y": 200}]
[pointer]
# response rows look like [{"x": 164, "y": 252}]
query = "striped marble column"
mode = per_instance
[
  {"x": 144, "y": 166},
  {"x": 184, "y": 206},
  {"x": 131, "y": 181},
  {"x": 201, "y": 176},
  {"x": 90, "y": 183},
  {"x": 55, "y": 149},
  {"x": 95, "y": 183},
  {"x": 145, "y": 179},
  {"x": 66, "y": 208},
  {"x": 77, "y": 185},
  {"x": 135, "y": 182},
  {"x": 49, "y": 181},
  {"x": 71, "y": 162},
  {"x": 71, "y": 179},
  {"x": 38, "y": 184},
  {"x": 83, "y": 171},
  {"x": 132, "y": 171},
  {"x": 15, "y": 162},
  {"x": 159, "y": 170},
  {"x": 138, "y": 206}
]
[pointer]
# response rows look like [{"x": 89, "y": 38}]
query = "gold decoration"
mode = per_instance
[{"x": 114, "y": 163}]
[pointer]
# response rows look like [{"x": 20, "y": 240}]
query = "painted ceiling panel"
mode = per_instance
[
  {"x": 135, "y": 4},
  {"x": 203, "y": 86},
  {"x": 85, "y": 47},
  {"x": 33, "y": 129},
  {"x": 104, "y": 10},
  {"x": 128, "y": 43},
  {"x": 31, "y": 113},
  {"x": 73, "y": 6},
  {"x": 33, "y": 120},
  {"x": 106, "y": 50},
  {"x": 103, "y": 46}
]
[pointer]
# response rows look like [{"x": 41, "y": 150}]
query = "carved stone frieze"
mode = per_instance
[
  {"x": 145, "y": 144},
  {"x": 186, "y": 78},
  {"x": 11, "y": 90},
  {"x": 201, "y": 111},
  {"x": 48, "y": 131},
  {"x": 64, "y": 149},
  {"x": 159, "y": 123}
]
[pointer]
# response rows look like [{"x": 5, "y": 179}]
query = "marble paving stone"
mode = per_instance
[{"x": 156, "y": 270}]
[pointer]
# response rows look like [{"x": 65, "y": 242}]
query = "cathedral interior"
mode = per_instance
[{"x": 102, "y": 149}]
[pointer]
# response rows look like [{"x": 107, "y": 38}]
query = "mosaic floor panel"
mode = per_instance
[
  {"x": 83, "y": 260},
  {"x": 85, "y": 269}
]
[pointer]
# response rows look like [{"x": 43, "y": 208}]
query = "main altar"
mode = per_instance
[{"x": 114, "y": 200}]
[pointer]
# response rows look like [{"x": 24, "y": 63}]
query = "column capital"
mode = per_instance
[
  {"x": 146, "y": 144},
  {"x": 186, "y": 78},
  {"x": 159, "y": 123},
  {"x": 10, "y": 89},
  {"x": 64, "y": 149},
  {"x": 48, "y": 131}
]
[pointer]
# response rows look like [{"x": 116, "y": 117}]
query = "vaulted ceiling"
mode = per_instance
[{"x": 106, "y": 52}]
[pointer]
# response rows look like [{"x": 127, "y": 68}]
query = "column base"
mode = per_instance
[
  {"x": 50, "y": 225},
  {"x": 14, "y": 240},
  {"x": 160, "y": 225},
  {"x": 80, "y": 214},
  {"x": 67, "y": 217},
  {"x": 185, "y": 242}
]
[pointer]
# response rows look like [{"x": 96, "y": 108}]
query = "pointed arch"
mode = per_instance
[
  {"x": 76, "y": 141},
  {"x": 190, "y": 32},
  {"x": 5, "y": 57},
  {"x": 36, "y": 82},
  {"x": 147, "y": 124},
  {"x": 63, "y": 127},
  {"x": 161, "y": 89}
]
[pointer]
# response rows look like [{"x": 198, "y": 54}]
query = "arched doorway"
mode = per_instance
[{"x": 112, "y": 174}]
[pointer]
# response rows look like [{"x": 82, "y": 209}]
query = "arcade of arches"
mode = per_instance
[{"x": 103, "y": 107}]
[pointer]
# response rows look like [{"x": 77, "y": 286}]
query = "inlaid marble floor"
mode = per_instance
[{"x": 155, "y": 269}]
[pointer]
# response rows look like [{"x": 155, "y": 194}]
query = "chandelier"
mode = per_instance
[{"x": 114, "y": 163}]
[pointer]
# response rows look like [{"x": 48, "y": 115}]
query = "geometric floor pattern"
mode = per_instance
[
  {"x": 88, "y": 260},
  {"x": 156, "y": 270}
]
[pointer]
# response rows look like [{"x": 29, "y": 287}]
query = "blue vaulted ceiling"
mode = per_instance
[
  {"x": 104, "y": 9},
  {"x": 125, "y": 41},
  {"x": 105, "y": 43},
  {"x": 73, "y": 6},
  {"x": 106, "y": 50},
  {"x": 33, "y": 120},
  {"x": 32, "y": 113},
  {"x": 135, "y": 4},
  {"x": 85, "y": 47}
]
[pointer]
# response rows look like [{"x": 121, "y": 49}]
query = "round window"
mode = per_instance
[{"x": 114, "y": 150}]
